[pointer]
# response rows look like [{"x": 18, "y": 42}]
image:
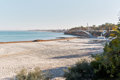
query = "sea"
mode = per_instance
[{"x": 9, "y": 36}]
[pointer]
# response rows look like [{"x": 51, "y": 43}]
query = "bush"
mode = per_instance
[
  {"x": 36, "y": 74},
  {"x": 107, "y": 65},
  {"x": 81, "y": 71},
  {"x": 105, "y": 69}
]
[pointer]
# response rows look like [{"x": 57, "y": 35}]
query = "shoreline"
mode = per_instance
[{"x": 65, "y": 38}]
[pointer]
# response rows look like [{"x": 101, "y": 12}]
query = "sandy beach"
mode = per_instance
[{"x": 53, "y": 56}]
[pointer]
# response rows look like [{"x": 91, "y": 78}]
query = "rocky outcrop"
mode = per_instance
[
  {"x": 82, "y": 34},
  {"x": 86, "y": 34}
]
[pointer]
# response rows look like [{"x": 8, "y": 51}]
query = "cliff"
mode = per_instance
[{"x": 86, "y": 34}]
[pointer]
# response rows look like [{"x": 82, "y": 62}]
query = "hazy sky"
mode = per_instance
[{"x": 56, "y": 14}]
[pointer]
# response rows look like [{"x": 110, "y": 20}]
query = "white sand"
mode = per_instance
[{"x": 52, "y": 55}]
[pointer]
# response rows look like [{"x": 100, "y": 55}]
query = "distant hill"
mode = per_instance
[{"x": 63, "y": 30}]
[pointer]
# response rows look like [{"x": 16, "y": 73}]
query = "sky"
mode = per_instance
[{"x": 56, "y": 14}]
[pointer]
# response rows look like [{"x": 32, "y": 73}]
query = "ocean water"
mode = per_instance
[{"x": 7, "y": 36}]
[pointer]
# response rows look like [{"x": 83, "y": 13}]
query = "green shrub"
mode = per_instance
[
  {"x": 36, "y": 74},
  {"x": 81, "y": 71},
  {"x": 105, "y": 69},
  {"x": 107, "y": 65}
]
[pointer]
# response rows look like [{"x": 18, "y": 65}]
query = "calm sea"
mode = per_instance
[{"x": 6, "y": 36}]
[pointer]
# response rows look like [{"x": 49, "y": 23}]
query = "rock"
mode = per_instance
[{"x": 58, "y": 78}]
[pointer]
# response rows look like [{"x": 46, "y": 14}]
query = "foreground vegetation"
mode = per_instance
[
  {"x": 105, "y": 66},
  {"x": 36, "y": 74}
]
